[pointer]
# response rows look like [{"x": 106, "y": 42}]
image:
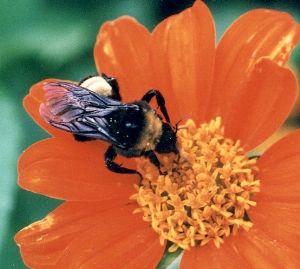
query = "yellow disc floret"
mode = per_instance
[{"x": 205, "y": 191}]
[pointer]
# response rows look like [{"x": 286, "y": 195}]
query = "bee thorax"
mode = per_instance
[{"x": 151, "y": 133}]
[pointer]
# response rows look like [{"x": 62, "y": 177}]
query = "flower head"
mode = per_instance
[
  {"x": 206, "y": 192},
  {"x": 222, "y": 207}
]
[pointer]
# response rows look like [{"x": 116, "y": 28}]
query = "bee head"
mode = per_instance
[{"x": 167, "y": 142}]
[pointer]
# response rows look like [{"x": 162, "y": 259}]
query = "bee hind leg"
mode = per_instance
[
  {"x": 82, "y": 138},
  {"x": 109, "y": 157}
]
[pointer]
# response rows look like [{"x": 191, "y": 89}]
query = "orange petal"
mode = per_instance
[
  {"x": 78, "y": 234},
  {"x": 280, "y": 221},
  {"x": 182, "y": 56},
  {"x": 279, "y": 171},
  {"x": 70, "y": 170},
  {"x": 262, "y": 105},
  {"x": 32, "y": 103},
  {"x": 122, "y": 51},
  {"x": 117, "y": 242},
  {"x": 90, "y": 235},
  {"x": 211, "y": 257},
  {"x": 256, "y": 34},
  {"x": 262, "y": 251},
  {"x": 278, "y": 204},
  {"x": 42, "y": 242},
  {"x": 252, "y": 249},
  {"x": 114, "y": 246}
]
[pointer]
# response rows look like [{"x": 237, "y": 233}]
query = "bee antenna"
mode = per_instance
[{"x": 176, "y": 126}]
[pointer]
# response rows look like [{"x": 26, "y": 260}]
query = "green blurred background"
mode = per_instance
[{"x": 44, "y": 38}]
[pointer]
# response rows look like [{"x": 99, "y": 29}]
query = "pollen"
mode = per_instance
[{"x": 204, "y": 193}]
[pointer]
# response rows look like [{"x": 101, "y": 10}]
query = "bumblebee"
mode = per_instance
[{"x": 93, "y": 110}]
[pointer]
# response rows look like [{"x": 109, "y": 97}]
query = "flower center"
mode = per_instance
[{"x": 206, "y": 191}]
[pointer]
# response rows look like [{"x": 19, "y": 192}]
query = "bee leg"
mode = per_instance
[
  {"x": 109, "y": 157},
  {"x": 160, "y": 101},
  {"x": 153, "y": 159},
  {"x": 82, "y": 138},
  {"x": 114, "y": 85}
]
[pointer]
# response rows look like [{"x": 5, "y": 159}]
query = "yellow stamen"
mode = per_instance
[{"x": 206, "y": 191}]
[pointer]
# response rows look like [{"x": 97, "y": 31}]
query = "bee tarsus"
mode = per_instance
[{"x": 153, "y": 159}]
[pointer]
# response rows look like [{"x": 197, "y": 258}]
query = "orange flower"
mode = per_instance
[{"x": 244, "y": 84}]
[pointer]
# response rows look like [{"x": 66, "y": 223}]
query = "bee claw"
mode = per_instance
[
  {"x": 140, "y": 179},
  {"x": 163, "y": 173}
]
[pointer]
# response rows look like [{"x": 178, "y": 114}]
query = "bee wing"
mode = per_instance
[{"x": 77, "y": 110}]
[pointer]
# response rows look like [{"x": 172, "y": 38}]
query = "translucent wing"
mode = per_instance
[{"x": 80, "y": 111}]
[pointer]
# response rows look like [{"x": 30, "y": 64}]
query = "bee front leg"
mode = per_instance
[
  {"x": 160, "y": 102},
  {"x": 153, "y": 159},
  {"x": 109, "y": 157}
]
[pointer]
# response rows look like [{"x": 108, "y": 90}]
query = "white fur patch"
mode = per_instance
[{"x": 97, "y": 84}]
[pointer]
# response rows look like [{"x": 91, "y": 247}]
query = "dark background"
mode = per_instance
[{"x": 42, "y": 39}]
